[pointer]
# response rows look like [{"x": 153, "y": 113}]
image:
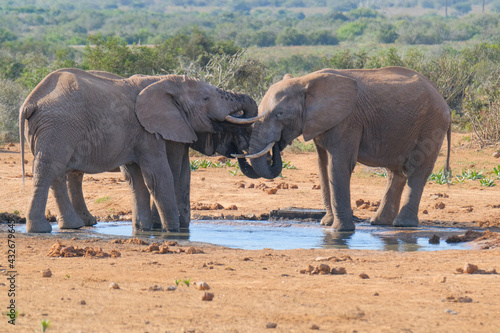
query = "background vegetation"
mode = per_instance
[{"x": 246, "y": 45}]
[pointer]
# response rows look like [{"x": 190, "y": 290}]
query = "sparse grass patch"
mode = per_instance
[{"x": 103, "y": 199}]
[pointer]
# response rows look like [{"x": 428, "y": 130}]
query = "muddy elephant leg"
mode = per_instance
[
  {"x": 389, "y": 207},
  {"x": 141, "y": 212},
  {"x": 74, "y": 183},
  {"x": 178, "y": 157},
  {"x": 160, "y": 183},
  {"x": 408, "y": 216},
  {"x": 325, "y": 185},
  {"x": 339, "y": 176},
  {"x": 68, "y": 218}
]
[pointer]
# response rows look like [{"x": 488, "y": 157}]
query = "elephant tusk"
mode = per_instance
[
  {"x": 244, "y": 121},
  {"x": 259, "y": 154},
  {"x": 238, "y": 155}
]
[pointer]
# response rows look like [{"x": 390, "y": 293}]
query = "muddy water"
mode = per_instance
[{"x": 284, "y": 235}]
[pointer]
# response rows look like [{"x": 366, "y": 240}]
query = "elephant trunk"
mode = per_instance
[{"x": 268, "y": 166}]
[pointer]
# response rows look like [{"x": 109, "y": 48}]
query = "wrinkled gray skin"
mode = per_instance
[
  {"x": 86, "y": 123},
  {"x": 228, "y": 139},
  {"x": 391, "y": 117}
]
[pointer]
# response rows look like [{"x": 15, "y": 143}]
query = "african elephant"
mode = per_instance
[
  {"x": 391, "y": 117},
  {"x": 78, "y": 121}
]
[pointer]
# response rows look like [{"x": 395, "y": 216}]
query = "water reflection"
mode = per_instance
[{"x": 255, "y": 235}]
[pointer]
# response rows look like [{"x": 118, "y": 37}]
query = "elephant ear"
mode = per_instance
[
  {"x": 159, "y": 113},
  {"x": 329, "y": 99}
]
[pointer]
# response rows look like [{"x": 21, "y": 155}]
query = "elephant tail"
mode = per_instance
[
  {"x": 447, "y": 169},
  {"x": 24, "y": 112}
]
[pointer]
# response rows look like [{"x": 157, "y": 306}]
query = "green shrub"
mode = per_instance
[{"x": 12, "y": 95}]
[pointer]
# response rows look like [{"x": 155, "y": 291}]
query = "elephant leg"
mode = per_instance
[
  {"x": 408, "y": 216},
  {"x": 389, "y": 207},
  {"x": 141, "y": 212},
  {"x": 43, "y": 176},
  {"x": 68, "y": 219},
  {"x": 325, "y": 186},
  {"x": 339, "y": 176},
  {"x": 178, "y": 157},
  {"x": 160, "y": 183},
  {"x": 74, "y": 183}
]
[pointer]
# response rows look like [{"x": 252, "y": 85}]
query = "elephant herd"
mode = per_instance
[{"x": 80, "y": 122}]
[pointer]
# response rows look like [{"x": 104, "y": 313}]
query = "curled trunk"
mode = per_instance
[{"x": 268, "y": 166}]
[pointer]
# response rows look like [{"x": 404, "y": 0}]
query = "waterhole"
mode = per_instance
[{"x": 254, "y": 235}]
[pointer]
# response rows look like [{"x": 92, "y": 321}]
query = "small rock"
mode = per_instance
[
  {"x": 171, "y": 288},
  {"x": 156, "y": 288},
  {"x": 82, "y": 302},
  {"x": 324, "y": 268},
  {"x": 425, "y": 211},
  {"x": 314, "y": 327},
  {"x": 496, "y": 154},
  {"x": 440, "y": 205},
  {"x": 293, "y": 187},
  {"x": 207, "y": 296},
  {"x": 435, "y": 239},
  {"x": 470, "y": 268},
  {"x": 309, "y": 269},
  {"x": 339, "y": 271},
  {"x": 271, "y": 190},
  {"x": 46, "y": 273},
  {"x": 113, "y": 285},
  {"x": 271, "y": 325},
  {"x": 359, "y": 202},
  {"x": 316, "y": 187},
  {"x": 202, "y": 286},
  {"x": 323, "y": 258},
  {"x": 364, "y": 206},
  {"x": 450, "y": 311},
  {"x": 376, "y": 294},
  {"x": 440, "y": 279},
  {"x": 490, "y": 271},
  {"x": 364, "y": 276}
]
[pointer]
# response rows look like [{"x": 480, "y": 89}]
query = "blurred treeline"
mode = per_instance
[{"x": 209, "y": 39}]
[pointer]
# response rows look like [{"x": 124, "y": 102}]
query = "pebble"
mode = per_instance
[
  {"x": 207, "y": 296},
  {"x": 156, "y": 288},
  {"x": 202, "y": 286},
  {"x": 82, "y": 302},
  {"x": 339, "y": 270},
  {"x": 46, "y": 273},
  {"x": 271, "y": 325},
  {"x": 113, "y": 285},
  {"x": 171, "y": 288},
  {"x": 314, "y": 327},
  {"x": 470, "y": 268},
  {"x": 364, "y": 276},
  {"x": 496, "y": 154}
]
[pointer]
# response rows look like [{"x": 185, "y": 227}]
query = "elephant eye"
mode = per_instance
[
  {"x": 206, "y": 98},
  {"x": 278, "y": 114}
]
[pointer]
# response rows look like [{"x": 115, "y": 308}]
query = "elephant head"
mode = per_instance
[
  {"x": 178, "y": 107},
  {"x": 308, "y": 105}
]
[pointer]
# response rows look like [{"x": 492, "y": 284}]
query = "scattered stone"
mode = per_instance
[
  {"x": 216, "y": 206},
  {"x": 293, "y": 187},
  {"x": 359, "y": 202},
  {"x": 467, "y": 237},
  {"x": 470, "y": 268},
  {"x": 271, "y": 325},
  {"x": 232, "y": 207},
  {"x": 496, "y": 154},
  {"x": 155, "y": 288},
  {"x": 271, "y": 190},
  {"x": 314, "y": 327},
  {"x": 60, "y": 250},
  {"x": 193, "y": 250},
  {"x": 425, "y": 211},
  {"x": 82, "y": 302},
  {"x": 364, "y": 276},
  {"x": 450, "y": 311},
  {"x": 323, "y": 258},
  {"x": 137, "y": 241},
  {"x": 375, "y": 294},
  {"x": 113, "y": 285},
  {"x": 324, "y": 269},
  {"x": 171, "y": 288},
  {"x": 316, "y": 187},
  {"x": 339, "y": 271},
  {"x": 435, "y": 239},
  {"x": 439, "y": 205},
  {"x": 202, "y": 285},
  {"x": 207, "y": 296},
  {"x": 460, "y": 299},
  {"x": 251, "y": 185},
  {"x": 364, "y": 206},
  {"x": 46, "y": 273}
]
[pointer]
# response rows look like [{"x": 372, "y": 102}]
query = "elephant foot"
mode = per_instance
[
  {"x": 88, "y": 219},
  {"x": 405, "y": 222},
  {"x": 143, "y": 225},
  {"x": 327, "y": 220},
  {"x": 38, "y": 226},
  {"x": 70, "y": 223},
  {"x": 345, "y": 226},
  {"x": 377, "y": 220}
]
